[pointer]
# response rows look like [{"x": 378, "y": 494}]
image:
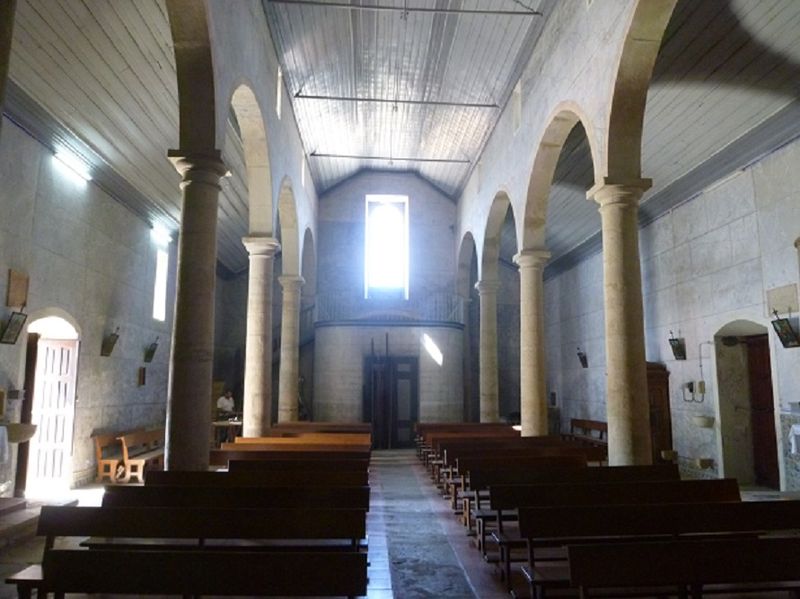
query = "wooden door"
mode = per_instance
[
  {"x": 53, "y": 412},
  {"x": 762, "y": 409},
  {"x": 391, "y": 401},
  {"x": 660, "y": 416}
]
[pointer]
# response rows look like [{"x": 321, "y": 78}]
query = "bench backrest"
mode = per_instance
[
  {"x": 201, "y": 523},
  {"x": 735, "y": 517},
  {"x": 221, "y": 457},
  {"x": 585, "y": 454},
  {"x": 584, "y": 426},
  {"x": 273, "y": 465},
  {"x": 288, "y": 444},
  {"x": 299, "y": 438},
  {"x": 275, "y": 478},
  {"x": 484, "y": 473},
  {"x": 244, "y": 497},
  {"x": 683, "y": 562},
  {"x": 507, "y": 497},
  {"x": 681, "y": 491},
  {"x": 324, "y": 427},
  {"x": 450, "y": 450},
  {"x": 207, "y": 572},
  {"x": 106, "y": 443},
  {"x": 135, "y": 440}
]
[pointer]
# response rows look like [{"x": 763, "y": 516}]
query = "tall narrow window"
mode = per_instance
[
  {"x": 386, "y": 247},
  {"x": 279, "y": 93},
  {"x": 160, "y": 288}
]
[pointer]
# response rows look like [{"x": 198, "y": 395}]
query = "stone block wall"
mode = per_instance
[
  {"x": 706, "y": 264},
  {"x": 89, "y": 257}
]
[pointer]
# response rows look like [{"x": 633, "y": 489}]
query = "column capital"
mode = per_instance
[
  {"x": 261, "y": 245},
  {"x": 291, "y": 282},
  {"x": 188, "y": 163},
  {"x": 618, "y": 191},
  {"x": 487, "y": 286},
  {"x": 532, "y": 258}
]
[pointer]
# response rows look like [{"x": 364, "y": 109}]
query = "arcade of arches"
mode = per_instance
[{"x": 638, "y": 186}]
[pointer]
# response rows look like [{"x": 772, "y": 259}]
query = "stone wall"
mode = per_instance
[
  {"x": 351, "y": 322},
  {"x": 89, "y": 257},
  {"x": 230, "y": 329},
  {"x": 707, "y": 263}
]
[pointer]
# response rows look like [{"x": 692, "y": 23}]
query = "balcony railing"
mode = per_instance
[{"x": 435, "y": 307}]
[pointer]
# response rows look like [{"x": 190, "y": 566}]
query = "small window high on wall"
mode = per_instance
[{"x": 386, "y": 247}]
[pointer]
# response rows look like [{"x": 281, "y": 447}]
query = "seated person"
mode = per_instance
[{"x": 225, "y": 405}]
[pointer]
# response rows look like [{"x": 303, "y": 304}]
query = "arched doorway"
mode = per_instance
[
  {"x": 51, "y": 372},
  {"x": 746, "y": 406}
]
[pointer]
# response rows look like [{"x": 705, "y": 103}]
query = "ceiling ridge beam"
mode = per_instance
[
  {"x": 389, "y": 158},
  {"x": 408, "y": 9},
  {"x": 301, "y": 96}
]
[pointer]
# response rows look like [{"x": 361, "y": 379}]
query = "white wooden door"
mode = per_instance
[{"x": 49, "y": 462}]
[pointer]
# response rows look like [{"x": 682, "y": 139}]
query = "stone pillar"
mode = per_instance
[
  {"x": 489, "y": 393},
  {"x": 288, "y": 383},
  {"x": 189, "y": 403},
  {"x": 626, "y": 366},
  {"x": 258, "y": 348},
  {"x": 533, "y": 390}
]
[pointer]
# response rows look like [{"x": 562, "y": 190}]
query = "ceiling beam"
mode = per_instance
[
  {"x": 301, "y": 96},
  {"x": 408, "y": 9},
  {"x": 388, "y": 158}
]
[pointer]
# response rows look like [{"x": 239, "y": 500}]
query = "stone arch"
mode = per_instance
[
  {"x": 189, "y": 24},
  {"x": 648, "y": 23},
  {"x": 256, "y": 157},
  {"x": 490, "y": 252},
  {"x": 54, "y": 312},
  {"x": 561, "y": 122},
  {"x": 289, "y": 234}
]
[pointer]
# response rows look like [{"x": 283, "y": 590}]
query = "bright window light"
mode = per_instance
[
  {"x": 160, "y": 235},
  {"x": 74, "y": 165},
  {"x": 160, "y": 288},
  {"x": 279, "y": 98},
  {"x": 432, "y": 349},
  {"x": 386, "y": 251}
]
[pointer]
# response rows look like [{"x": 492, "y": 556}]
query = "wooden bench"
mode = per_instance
[
  {"x": 244, "y": 497},
  {"x": 272, "y": 465},
  {"x": 275, "y": 478},
  {"x": 221, "y": 457},
  {"x": 122, "y": 530},
  {"x": 656, "y": 492},
  {"x": 311, "y": 438},
  {"x": 680, "y": 568},
  {"x": 196, "y": 573},
  {"x": 504, "y": 500},
  {"x": 141, "y": 450},
  {"x": 108, "y": 454},
  {"x": 583, "y": 430}
]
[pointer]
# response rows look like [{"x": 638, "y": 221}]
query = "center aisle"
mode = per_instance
[{"x": 416, "y": 545}]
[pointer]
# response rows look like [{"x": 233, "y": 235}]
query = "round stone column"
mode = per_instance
[
  {"x": 626, "y": 384},
  {"x": 189, "y": 401},
  {"x": 533, "y": 388},
  {"x": 489, "y": 394},
  {"x": 258, "y": 344},
  {"x": 288, "y": 383}
]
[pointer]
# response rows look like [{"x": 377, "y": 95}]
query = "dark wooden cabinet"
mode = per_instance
[{"x": 660, "y": 417}]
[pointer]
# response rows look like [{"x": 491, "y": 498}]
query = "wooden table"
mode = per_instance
[{"x": 230, "y": 427}]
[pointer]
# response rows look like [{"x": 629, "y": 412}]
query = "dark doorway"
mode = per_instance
[
  {"x": 391, "y": 399},
  {"x": 765, "y": 448}
]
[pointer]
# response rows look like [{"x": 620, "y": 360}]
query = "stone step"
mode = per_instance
[{"x": 11, "y": 504}]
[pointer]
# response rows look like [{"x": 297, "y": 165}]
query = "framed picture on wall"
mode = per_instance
[
  {"x": 13, "y": 328},
  {"x": 785, "y": 332}
]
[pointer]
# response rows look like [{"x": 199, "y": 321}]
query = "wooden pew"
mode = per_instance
[
  {"x": 273, "y": 465},
  {"x": 221, "y": 457},
  {"x": 190, "y": 529},
  {"x": 429, "y": 445},
  {"x": 244, "y": 497},
  {"x": 141, "y": 449},
  {"x": 621, "y": 493},
  {"x": 323, "y": 427},
  {"x": 292, "y": 444},
  {"x": 274, "y": 478},
  {"x": 108, "y": 455},
  {"x": 196, "y": 573},
  {"x": 582, "y": 430},
  {"x": 357, "y": 439},
  {"x": 734, "y": 566},
  {"x": 505, "y": 499}
]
